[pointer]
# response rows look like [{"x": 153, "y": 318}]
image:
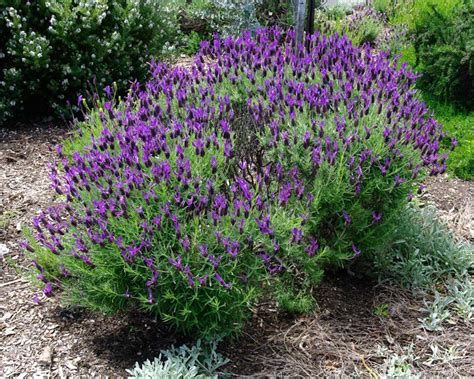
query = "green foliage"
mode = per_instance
[
  {"x": 382, "y": 6},
  {"x": 275, "y": 13},
  {"x": 413, "y": 12},
  {"x": 401, "y": 366},
  {"x": 367, "y": 32},
  {"x": 407, "y": 54},
  {"x": 192, "y": 42},
  {"x": 51, "y": 51},
  {"x": 444, "y": 47},
  {"x": 440, "y": 33},
  {"x": 459, "y": 124},
  {"x": 381, "y": 310},
  {"x": 292, "y": 299},
  {"x": 185, "y": 362},
  {"x": 362, "y": 26},
  {"x": 329, "y": 20}
]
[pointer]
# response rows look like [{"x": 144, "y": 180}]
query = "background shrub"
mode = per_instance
[
  {"x": 459, "y": 124},
  {"x": 50, "y": 51},
  {"x": 267, "y": 165},
  {"x": 224, "y": 17},
  {"x": 445, "y": 52},
  {"x": 275, "y": 13}
]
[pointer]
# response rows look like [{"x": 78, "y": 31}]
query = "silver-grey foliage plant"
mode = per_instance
[{"x": 184, "y": 362}]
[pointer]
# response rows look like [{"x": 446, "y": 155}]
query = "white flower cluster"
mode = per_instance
[{"x": 54, "y": 48}]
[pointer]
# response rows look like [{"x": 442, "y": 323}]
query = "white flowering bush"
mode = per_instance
[{"x": 50, "y": 51}]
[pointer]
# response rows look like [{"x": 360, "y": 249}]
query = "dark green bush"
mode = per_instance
[
  {"x": 275, "y": 13},
  {"x": 50, "y": 51},
  {"x": 444, "y": 46}
]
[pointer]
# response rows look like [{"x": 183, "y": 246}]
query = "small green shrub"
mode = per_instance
[
  {"x": 328, "y": 20},
  {"x": 363, "y": 25},
  {"x": 192, "y": 42},
  {"x": 440, "y": 32},
  {"x": 51, "y": 51}
]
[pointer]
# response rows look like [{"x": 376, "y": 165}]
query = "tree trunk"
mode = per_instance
[{"x": 300, "y": 10}]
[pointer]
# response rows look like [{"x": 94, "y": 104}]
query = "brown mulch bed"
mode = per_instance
[{"x": 344, "y": 336}]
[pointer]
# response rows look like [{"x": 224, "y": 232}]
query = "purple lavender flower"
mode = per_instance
[
  {"x": 36, "y": 299},
  {"x": 203, "y": 249},
  {"x": 25, "y": 245},
  {"x": 233, "y": 249},
  {"x": 312, "y": 247},
  {"x": 285, "y": 194},
  {"x": 398, "y": 180},
  {"x": 189, "y": 276},
  {"x": 64, "y": 272},
  {"x": 185, "y": 244},
  {"x": 264, "y": 225},
  {"x": 48, "y": 289},
  {"x": 356, "y": 251},
  {"x": 150, "y": 295},
  {"x": 202, "y": 280},
  {"x": 221, "y": 281},
  {"x": 296, "y": 235},
  {"x": 214, "y": 261},
  {"x": 376, "y": 217},
  {"x": 347, "y": 218},
  {"x": 176, "y": 262}
]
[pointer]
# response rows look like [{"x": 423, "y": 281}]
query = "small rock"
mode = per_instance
[
  {"x": 70, "y": 365},
  {"x": 6, "y": 316},
  {"x": 9, "y": 331},
  {"x": 390, "y": 339},
  {"x": 46, "y": 356},
  {"x": 4, "y": 250}
]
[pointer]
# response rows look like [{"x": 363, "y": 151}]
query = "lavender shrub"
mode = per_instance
[{"x": 262, "y": 164}]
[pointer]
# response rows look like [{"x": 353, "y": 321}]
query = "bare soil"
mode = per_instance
[{"x": 344, "y": 336}]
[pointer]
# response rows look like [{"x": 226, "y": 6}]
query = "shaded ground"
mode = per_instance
[{"x": 344, "y": 336}]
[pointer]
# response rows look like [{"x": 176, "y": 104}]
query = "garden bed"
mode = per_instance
[{"x": 343, "y": 336}]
